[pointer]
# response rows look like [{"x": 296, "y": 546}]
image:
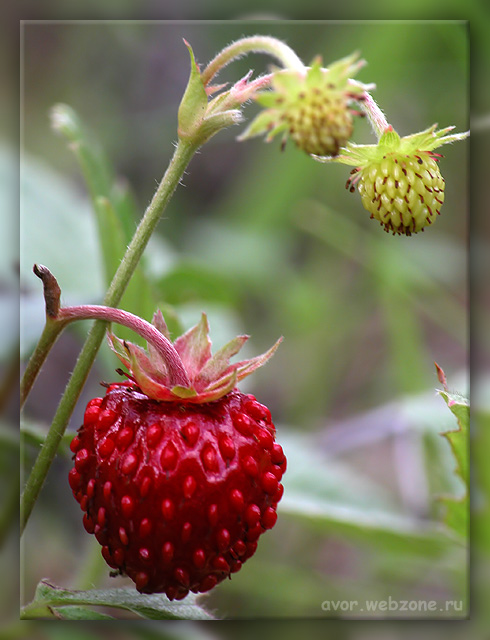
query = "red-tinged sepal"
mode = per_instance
[
  {"x": 217, "y": 365},
  {"x": 217, "y": 390},
  {"x": 155, "y": 356},
  {"x": 211, "y": 376},
  {"x": 151, "y": 374},
  {"x": 194, "y": 347}
]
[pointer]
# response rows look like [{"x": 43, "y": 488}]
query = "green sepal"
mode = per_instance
[
  {"x": 183, "y": 392},
  {"x": 265, "y": 122},
  {"x": 360, "y": 155},
  {"x": 390, "y": 140},
  {"x": 269, "y": 99},
  {"x": 194, "y": 102},
  {"x": 314, "y": 74},
  {"x": 287, "y": 82}
]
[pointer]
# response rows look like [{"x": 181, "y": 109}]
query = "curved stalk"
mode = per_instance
[
  {"x": 253, "y": 44},
  {"x": 376, "y": 116},
  {"x": 176, "y": 370}
]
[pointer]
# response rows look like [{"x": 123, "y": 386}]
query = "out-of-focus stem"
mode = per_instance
[{"x": 253, "y": 44}]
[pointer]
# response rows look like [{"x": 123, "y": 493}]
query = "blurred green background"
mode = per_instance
[{"x": 270, "y": 244}]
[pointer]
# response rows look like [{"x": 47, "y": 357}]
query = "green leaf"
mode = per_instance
[
  {"x": 458, "y": 438},
  {"x": 95, "y": 169},
  {"x": 456, "y": 514},
  {"x": 56, "y": 224},
  {"x": 154, "y": 607},
  {"x": 111, "y": 235},
  {"x": 194, "y": 102},
  {"x": 79, "y": 613},
  {"x": 457, "y": 507}
]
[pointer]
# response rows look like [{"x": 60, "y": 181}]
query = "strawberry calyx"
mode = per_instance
[
  {"x": 210, "y": 376},
  {"x": 360, "y": 155},
  {"x": 183, "y": 370}
]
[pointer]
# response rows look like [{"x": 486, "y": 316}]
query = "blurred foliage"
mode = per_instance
[{"x": 268, "y": 243}]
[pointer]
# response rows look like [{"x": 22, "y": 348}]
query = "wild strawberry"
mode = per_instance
[
  {"x": 403, "y": 192},
  {"x": 311, "y": 107},
  {"x": 399, "y": 179},
  {"x": 178, "y": 483}
]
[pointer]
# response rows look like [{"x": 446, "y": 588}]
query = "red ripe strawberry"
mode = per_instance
[{"x": 178, "y": 483}]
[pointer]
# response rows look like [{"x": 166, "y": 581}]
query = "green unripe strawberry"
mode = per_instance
[
  {"x": 399, "y": 179},
  {"x": 404, "y": 192},
  {"x": 313, "y": 108}
]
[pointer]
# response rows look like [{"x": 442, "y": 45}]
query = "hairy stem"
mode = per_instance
[
  {"x": 176, "y": 371},
  {"x": 376, "y": 116},
  {"x": 253, "y": 44},
  {"x": 181, "y": 158}
]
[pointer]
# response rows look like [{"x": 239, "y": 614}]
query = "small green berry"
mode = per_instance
[
  {"x": 312, "y": 108},
  {"x": 405, "y": 193},
  {"x": 399, "y": 179}
]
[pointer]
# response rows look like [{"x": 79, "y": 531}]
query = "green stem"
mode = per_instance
[
  {"x": 8, "y": 511},
  {"x": 8, "y": 384},
  {"x": 253, "y": 44},
  {"x": 181, "y": 158},
  {"x": 51, "y": 331}
]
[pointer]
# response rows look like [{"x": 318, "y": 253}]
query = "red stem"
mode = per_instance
[{"x": 176, "y": 370}]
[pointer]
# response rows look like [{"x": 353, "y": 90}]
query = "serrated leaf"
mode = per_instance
[
  {"x": 458, "y": 438},
  {"x": 154, "y": 607},
  {"x": 456, "y": 508},
  {"x": 194, "y": 101},
  {"x": 456, "y": 514}
]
